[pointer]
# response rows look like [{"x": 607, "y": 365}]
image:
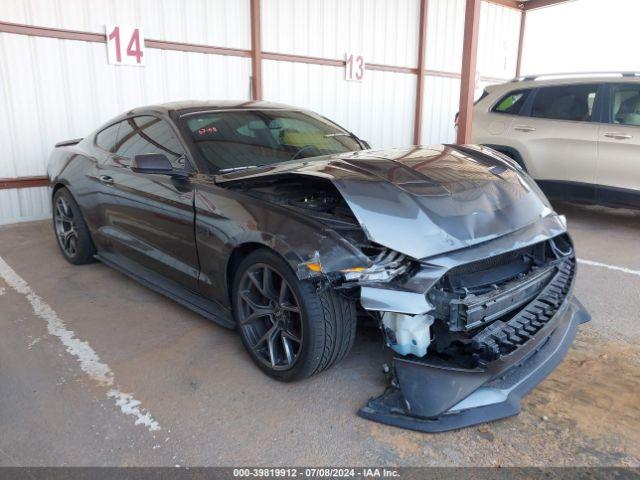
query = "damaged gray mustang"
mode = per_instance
[{"x": 280, "y": 223}]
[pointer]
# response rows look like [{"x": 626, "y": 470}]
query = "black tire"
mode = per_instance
[
  {"x": 76, "y": 247},
  {"x": 327, "y": 321}
]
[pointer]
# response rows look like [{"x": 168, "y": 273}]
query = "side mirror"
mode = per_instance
[
  {"x": 366, "y": 144},
  {"x": 152, "y": 163}
]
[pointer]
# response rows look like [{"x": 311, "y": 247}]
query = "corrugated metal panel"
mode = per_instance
[
  {"x": 445, "y": 32},
  {"x": 498, "y": 40},
  {"x": 379, "y": 110},
  {"x": 441, "y": 101},
  {"x": 223, "y": 23},
  {"x": 61, "y": 89},
  {"x": 24, "y": 204},
  {"x": 54, "y": 90},
  {"x": 383, "y": 31},
  {"x": 497, "y": 56}
]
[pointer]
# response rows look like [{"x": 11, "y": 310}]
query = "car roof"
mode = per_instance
[
  {"x": 535, "y": 81},
  {"x": 186, "y": 106}
]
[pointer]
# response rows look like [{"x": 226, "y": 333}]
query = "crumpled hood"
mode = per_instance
[{"x": 425, "y": 201}]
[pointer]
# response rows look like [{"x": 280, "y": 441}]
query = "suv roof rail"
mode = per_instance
[{"x": 525, "y": 78}]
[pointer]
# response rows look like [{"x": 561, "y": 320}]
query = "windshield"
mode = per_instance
[{"x": 231, "y": 140}]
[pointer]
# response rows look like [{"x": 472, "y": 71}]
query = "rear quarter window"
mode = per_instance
[
  {"x": 106, "y": 139},
  {"x": 512, "y": 102}
]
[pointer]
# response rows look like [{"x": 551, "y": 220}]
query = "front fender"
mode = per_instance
[{"x": 226, "y": 220}]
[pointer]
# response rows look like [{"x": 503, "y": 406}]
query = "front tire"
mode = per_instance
[
  {"x": 71, "y": 230},
  {"x": 291, "y": 329}
]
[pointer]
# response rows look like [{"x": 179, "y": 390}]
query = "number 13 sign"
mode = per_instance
[
  {"x": 125, "y": 45},
  {"x": 354, "y": 67}
]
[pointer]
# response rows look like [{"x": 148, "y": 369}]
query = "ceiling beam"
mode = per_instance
[
  {"x": 507, "y": 3},
  {"x": 535, "y": 4}
]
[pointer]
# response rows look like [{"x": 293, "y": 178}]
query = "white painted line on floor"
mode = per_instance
[
  {"x": 87, "y": 357},
  {"x": 610, "y": 267}
]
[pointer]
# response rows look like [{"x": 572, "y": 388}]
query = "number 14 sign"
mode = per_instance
[{"x": 125, "y": 45}]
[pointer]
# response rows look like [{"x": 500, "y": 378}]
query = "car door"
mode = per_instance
[
  {"x": 149, "y": 218},
  {"x": 559, "y": 139},
  {"x": 618, "y": 171}
]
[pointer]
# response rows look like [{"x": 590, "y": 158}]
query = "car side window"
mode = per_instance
[
  {"x": 147, "y": 134},
  {"x": 106, "y": 139},
  {"x": 625, "y": 104},
  {"x": 565, "y": 102},
  {"x": 512, "y": 102}
]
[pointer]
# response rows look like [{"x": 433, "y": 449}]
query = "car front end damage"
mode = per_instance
[
  {"x": 460, "y": 261},
  {"x": 490, "y": 330}
]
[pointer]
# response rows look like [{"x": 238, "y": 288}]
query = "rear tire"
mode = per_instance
[
  {"x": 319, "y": 326},
  {"x": 71, "y": 230}
]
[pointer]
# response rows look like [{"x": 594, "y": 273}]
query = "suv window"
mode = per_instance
[
  {"x": 512, "y": 102},
  {"x": 147, "y": 134},
  {"x": 565, "y": 102},
  {"x": 106, "y": 139},
  {"x": 625, "y": 104}
]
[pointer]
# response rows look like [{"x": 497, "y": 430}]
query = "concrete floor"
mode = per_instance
[{"x": 213, "y": 407}]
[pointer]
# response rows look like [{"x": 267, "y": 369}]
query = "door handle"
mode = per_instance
[
  {"x": 618, "y": 135},
  {"x": 524, "y": 128},
  {"x": 105, "y": 179}
]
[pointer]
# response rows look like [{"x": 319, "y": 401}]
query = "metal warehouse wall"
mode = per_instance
[
  {"x": 380, "y": 109},
  {"x": 497, "y": 57},
  {"x": 55, "y": 89}
]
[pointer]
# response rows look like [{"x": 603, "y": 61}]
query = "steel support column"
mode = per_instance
[
  {"x": 422, "y": 42},
  {"x": 523, "y": 24},
  {"x": 468, "y": 76},
  {"x": 256, "y": 51}
]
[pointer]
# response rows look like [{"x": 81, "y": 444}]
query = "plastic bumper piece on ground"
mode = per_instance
[{"x": 436, "y": 399}]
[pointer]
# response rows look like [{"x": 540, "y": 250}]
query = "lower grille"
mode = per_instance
[{"x": 501, "y": 338}]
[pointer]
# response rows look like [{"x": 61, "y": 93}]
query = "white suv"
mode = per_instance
[{"x": 578, "y": 137}]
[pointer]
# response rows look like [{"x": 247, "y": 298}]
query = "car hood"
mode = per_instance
[{"x": 425, "y": 201}]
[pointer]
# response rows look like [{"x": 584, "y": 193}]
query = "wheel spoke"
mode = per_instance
[
  {"x": 271, "y": 343},
  {"x": 256, "y": 315},
  {"x": 288, "y": 351},
  {"x": 62, "y": 214},
  {"x": 290, "y": 308},
  {"x": 282, "y": 296},
  {"x": 256, "y": 283},
  {"x": 267, "y": 283},
  {"x": 264, "y": 337},
  {"x": 73, "y": 247},
  {"x": 249, "y": 301},
  {"x": 292, "y": 336}
]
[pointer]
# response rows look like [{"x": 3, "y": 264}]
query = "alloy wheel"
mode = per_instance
[
  {"x": 270, "y": 317},
  {"x": 66, "y": 228}
]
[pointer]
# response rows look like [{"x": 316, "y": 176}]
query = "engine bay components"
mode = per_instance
[{"x": 407, "y": 334}]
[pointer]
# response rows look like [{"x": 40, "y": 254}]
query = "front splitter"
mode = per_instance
[{"x": 494, "y": 394}]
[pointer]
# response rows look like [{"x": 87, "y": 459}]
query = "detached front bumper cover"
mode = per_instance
[{"x": 436, "y": 398}]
